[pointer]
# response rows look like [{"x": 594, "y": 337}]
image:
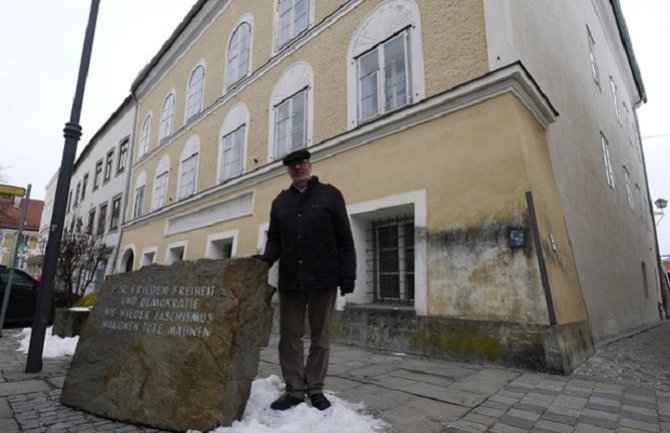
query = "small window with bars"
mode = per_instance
[{"x": 391, "y": 260}]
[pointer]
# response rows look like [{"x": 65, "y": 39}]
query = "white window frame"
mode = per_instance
[
  {"x": 615, "y": 99},
  {"x": 609, "y": 171},
  {"x": 160, "y": 184},
  {"x": 167, "y": 117},
  {"x": 188, "y": 177},
  {"x": 388, "y": 19},
  {"x": 145, "y": 138},
  {"x": 148, "y": 256},
  {"x": 238, "y": 59},
  {"x": 291, "y": 120},
  {"x": 629, "y": 191},
  {"x": 212, "y": 250},
  {"x": 296, "y": 78},
  {"x": 592, "y": 56},
  {"x": 195, "y": 92},
  {"x": 290, "y": 14},
  {"x": 139, "y": 194},
  {"x": 379, "y": 74},
  {"x": 237, "y": 119},
  {"x": 170, "y": 252}
]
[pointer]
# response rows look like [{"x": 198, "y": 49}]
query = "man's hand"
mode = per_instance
[
  {"x": 262, "y": 258},
  {"x": 346, "y": 287}
]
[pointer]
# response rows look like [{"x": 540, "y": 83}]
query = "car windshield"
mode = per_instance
[{"x": 18, "y": 279}]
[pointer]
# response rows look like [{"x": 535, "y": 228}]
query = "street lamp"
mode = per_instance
[
  {"x": 72, "y": 133},
  {"x": 661, "y": 204}
]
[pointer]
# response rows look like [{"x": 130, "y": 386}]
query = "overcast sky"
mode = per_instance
[{"x": 41, "y": 42}]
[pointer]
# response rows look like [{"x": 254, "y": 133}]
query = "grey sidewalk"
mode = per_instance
[{"x": 415, "y": 394}]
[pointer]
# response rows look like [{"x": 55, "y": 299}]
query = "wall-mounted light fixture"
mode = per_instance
[{"x": 661, "y": 204}]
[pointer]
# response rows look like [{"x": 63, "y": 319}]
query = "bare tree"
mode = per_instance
[{"x": 81, "y": 254}]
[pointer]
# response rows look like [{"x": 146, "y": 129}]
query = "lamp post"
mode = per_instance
[
  {"x": 661, "y": 204},
  {"x": 72, "y": 133}
]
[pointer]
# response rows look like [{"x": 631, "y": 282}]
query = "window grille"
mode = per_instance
[{"x": 390, "y": 257}]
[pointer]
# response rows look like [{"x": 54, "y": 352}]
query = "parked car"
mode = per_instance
[{"x": 23, "y": 297}]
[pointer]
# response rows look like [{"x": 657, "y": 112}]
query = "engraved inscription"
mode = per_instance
[{"x": 162, "y": 310}]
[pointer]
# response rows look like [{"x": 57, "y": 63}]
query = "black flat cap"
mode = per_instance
[{"x": 295, "y": 156}]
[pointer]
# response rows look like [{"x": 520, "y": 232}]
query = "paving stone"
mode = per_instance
[
  {"x": 640, "y": 425},
  {"x": 650, "y": 412},
  {"x": 553, "y": 426},
  {"x": 588, "y": 428},
  {"x": 518, "y": 413},
  {"x": 551, "y": 416},
  {"x": 598, "y": 422},
  {"x": 479, "y": 419},
  {"x": 530, "y": 408},
  {"x": 504, "y": 428},
  {"x": 600, "y": 414},
  {"x": 467, "y": 426},
  {"x": 638, "y": 403},
  {"x": 517, "y": 422}
]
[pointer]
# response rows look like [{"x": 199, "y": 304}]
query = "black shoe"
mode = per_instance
[
  {"x": 286, "y": 401},
  {"x": 319, "y": 401}
]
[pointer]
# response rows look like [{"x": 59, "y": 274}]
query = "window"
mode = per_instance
[
  {"x": 609, "y": 173},
  {"x": 139, "y": 201},
  {"x": 231, "y": 153},
  {"x": 221, "y": 245},
  {"x": 138, "y": 205},
  {"x": 98, "y": 173},
  {"x": 196, "y": 87},
  {"x": 238, "y": 54},
  {"x": 84, "y": 184},
  {"x": 102, "y": 219},
  {"x": 148, "y": 257},
  {"x": 175, "y": 253},
  {"x": 385, "y": 62},
  {"x": 292, "y": 19},
  {"x": 291, "y": 108},
  {"x": 382, "y": 77},
  {"x": 392, "y": 247},
  {"x": 592, "y": 55},
  {"x": 123, "y": 156},
  {"x": 232, "y": 143},
  {"x": 290, "y": 124},
  {"x": 188, "y": 168},
  {"x": 108, "y": 165},
  {"x": 146, "y": 136},
  {"x": 116, "y": 213},
  {"x": 166, "y": 118},
  {"x": 76, "y": 194},
  {"x": 91, "y": 222},
  {"x": 160, "y": 187},
  {"x": 615, "y": 99},
  {"x": 629, "y": 190},
  {"x": 160, "y": 183}
]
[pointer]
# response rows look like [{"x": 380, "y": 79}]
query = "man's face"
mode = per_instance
[{"x": 300, "y": 171}]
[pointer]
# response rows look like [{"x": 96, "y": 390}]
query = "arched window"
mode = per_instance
[
  {"x": 146, "y": 136},
  {"x": 232, "y": 143},
  {"x": 167, "y": 116},
  {"x": 238, "y": 54},
  {"x": 291, "y": 107},
  {"x": 188, "y": 167},
  {"x": 160, "y": 183},
  {"x": 385, "y": 62},
  {"x": 292, "y": 18},
  {"x": 138, "y": 203},
  {"x": 196, "y": 89}
]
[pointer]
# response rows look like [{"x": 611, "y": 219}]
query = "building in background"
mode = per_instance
[
  {"x": 98, "y": 184},
  {"x": 488, "y": 152},
  {"x": 11, "y": 210}
]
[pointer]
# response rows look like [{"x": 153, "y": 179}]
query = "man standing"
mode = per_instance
[{"x": 309, "y": 230}]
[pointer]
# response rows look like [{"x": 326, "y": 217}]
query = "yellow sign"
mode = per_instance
[{"x": 12, "y": 190}]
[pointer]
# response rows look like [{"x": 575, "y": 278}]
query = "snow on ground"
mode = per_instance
[
  {"x": 258, "y": 417},
  {"x": 54, "y": 346}
]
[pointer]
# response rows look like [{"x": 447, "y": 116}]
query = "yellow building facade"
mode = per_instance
[{"x": 444, "y": 162}]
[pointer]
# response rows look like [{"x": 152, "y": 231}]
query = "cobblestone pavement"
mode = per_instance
[{"x": 624, "y": 387}]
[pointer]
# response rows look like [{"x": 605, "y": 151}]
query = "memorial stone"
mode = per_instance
[{"x": 173, "y": 347}]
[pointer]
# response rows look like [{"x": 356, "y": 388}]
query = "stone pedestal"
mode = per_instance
[
  {"x": 69, "y": 322},
  {"x": 173, "y": 347}
]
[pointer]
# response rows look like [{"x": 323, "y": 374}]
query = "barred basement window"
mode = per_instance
[{"x": 391, "y": 253}]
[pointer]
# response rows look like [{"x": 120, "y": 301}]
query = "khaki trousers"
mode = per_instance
[{"x": 305, "y": 378}]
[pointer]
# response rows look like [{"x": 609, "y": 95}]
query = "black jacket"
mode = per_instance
[{"x": 310, "y": 235}]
